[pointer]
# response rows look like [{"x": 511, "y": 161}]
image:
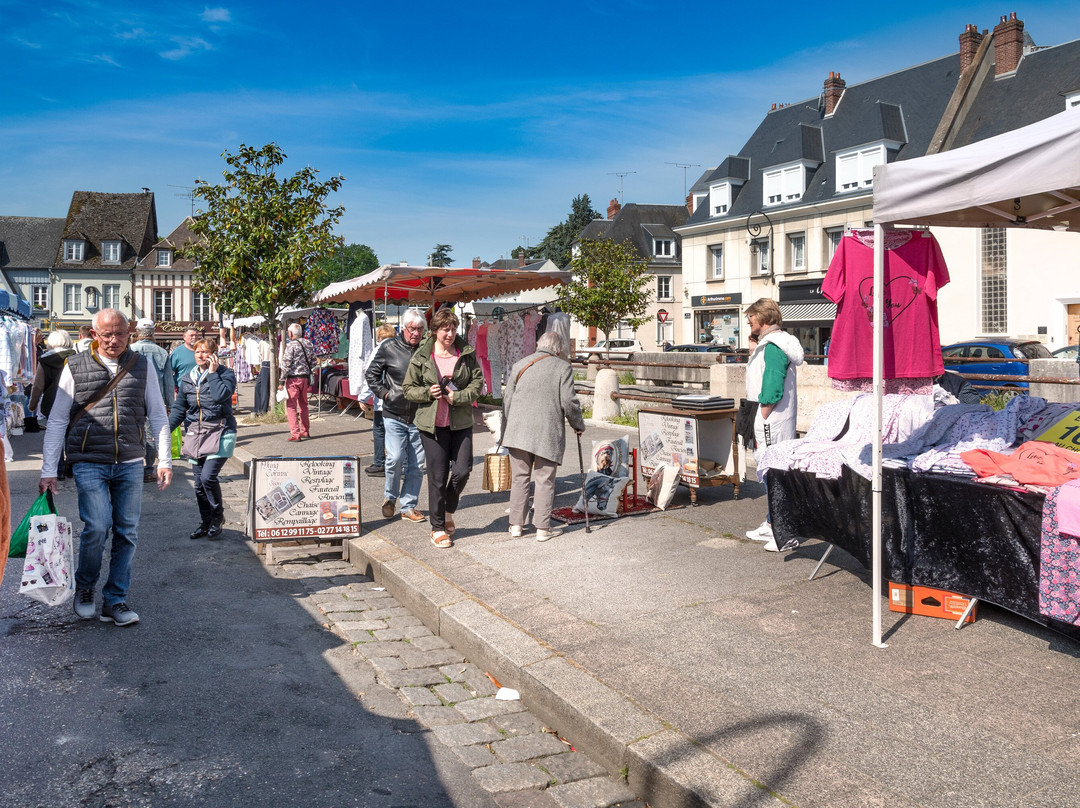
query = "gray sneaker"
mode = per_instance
[
  {"x": 84, "y": 604},
  {"x": 119, "y": 613}
]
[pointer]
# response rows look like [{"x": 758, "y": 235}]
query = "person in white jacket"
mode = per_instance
[{"x": 770, "y": 381}]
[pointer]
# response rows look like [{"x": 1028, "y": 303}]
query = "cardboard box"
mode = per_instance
[{"x": 930, "y": 602}]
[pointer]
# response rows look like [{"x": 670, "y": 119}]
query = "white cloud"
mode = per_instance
[
  {"x": 104, "y": 58},
  {"x": 27, "y": 43},
  {"x": 216, "y": 15},
  {"x": 185, "y": 46}
]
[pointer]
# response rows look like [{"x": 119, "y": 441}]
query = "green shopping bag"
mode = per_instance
[
  {"x": 21, "y": 535},
  {"x": 177, "y": 441}
]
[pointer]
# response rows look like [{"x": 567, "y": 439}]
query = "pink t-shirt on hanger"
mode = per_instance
[{"x": 914, "y": 271}]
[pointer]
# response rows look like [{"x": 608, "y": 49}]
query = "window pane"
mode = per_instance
[
  {"x": 994, "y": 281},
  {"x": 163, "y": 304},
  {"x": 717, "y": 260}
]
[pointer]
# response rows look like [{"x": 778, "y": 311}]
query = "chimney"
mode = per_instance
[
  {"x": 969, "y": 45},
  {"x": 834, "y": 91},
  {"x": 521, "y": 259},
  {"x": 690, "y": 203},
  {"x": 476, "y": 262},
  {"x": 613, "y": 209},
  {"x": 1008, "y": 44}
]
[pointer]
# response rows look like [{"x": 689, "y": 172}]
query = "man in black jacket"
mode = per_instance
[{"x": 404, "y": 451}]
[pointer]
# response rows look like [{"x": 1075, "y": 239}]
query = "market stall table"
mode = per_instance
[{"x": 692, "y": 440}]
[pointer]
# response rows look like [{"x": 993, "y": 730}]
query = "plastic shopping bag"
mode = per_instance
[
  {"x": 49, "y": 569},
  {"x": 177, "y": 440},
  {"x": 42, "y": 505}
]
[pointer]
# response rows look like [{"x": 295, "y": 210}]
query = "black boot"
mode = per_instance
[
  {"x": 216, "y": 526},
  {"x": 200, "y": 531}
]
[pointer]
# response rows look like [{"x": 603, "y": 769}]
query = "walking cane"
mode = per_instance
[{"x": 584, "y": 499}]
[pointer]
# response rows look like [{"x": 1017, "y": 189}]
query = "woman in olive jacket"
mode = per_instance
[{"x": 444, "y": 379}]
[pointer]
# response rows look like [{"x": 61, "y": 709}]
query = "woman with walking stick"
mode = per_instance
[{"x": 538, "y": 399}]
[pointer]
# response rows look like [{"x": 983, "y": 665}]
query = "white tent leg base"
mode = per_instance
[{"x": 824, "y": 556}]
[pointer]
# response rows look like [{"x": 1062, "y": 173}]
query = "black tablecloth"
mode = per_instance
[{"x": 937, "y": 530}]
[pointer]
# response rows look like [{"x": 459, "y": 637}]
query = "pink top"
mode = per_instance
[
  {"x": 914, "y": 271},
  {"x": 445, "y": 366}
]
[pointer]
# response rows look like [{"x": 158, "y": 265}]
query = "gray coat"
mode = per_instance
[{"x": 535, "y": 406}]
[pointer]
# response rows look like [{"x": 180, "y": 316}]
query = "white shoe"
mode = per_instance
[
  {"x": 544, "y": 535},
  {"x": 770, "y": 546},
  {"x": 515, "y": 531},
  {"x": 762, "y": 532}
]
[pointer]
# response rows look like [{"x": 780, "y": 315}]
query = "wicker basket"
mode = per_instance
[{"x": 496, "y": 472}]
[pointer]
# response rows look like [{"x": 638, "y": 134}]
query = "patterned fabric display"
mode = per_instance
[{"x": 322, "y": 329}]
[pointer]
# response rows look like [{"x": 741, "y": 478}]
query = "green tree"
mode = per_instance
[
  {"x": 350, "y": 261},
  {"x": 609, "y": 286},
  {"x": 258, "y": 236},
  {"x": 556, "y": 244},
  {"x": 440, "y": 256}
]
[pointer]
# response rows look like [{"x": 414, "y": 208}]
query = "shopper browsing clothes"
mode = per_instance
[
  {"x": 297, "y": 364},
  {"x": 770, "y": 381},
  {"x": 385, "y": 376},
  {"x": 538, "y": 401},
  {"x": 444, "y": 379},
  {"x": 204, "y": 406}
]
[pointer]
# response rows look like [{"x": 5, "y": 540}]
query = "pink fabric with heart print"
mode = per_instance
[{"x": 914, "y": 271}]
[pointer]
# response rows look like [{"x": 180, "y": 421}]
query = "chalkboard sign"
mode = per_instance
[{"x": 298, "y": 498}]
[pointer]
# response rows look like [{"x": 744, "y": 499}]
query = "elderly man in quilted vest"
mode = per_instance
[{"x": 104, "y": 397}]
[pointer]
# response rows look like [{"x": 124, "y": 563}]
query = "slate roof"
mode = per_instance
[
  {"x": 97, "y": 217},
  {"x": 1034, "y": 92},
  {"x": 638, "y": 223},
  {"x": 905, "y": 106},
  {"x": 512, "y": 263},
  {"x": 28, "y": 242}
]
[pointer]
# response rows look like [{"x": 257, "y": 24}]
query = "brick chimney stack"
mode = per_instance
[
  {"x": 613, "y": 209},
  {"x": 969, "y": 45},
  {"x": 834, "y": 91},
  {"x": 476, "y": 262},
  {"x": 690, "y": 203},
  {"x": 521, "y": 259},
  {"x": 1008, "y": 44}
]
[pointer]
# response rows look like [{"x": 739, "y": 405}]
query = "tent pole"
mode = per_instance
[{"x": 879, "y": 373}]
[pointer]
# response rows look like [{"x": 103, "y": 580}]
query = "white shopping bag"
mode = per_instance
[{"x": 49, "y": 569}]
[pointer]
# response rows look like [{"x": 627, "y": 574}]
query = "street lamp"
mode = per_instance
[{"x": 754, "y": 229}]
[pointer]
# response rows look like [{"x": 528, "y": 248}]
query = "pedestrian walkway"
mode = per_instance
[{"x": 669, "y": 647}]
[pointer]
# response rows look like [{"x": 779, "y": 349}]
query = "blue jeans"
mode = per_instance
[
  {"x": 110, "y": 497},
  {"x": 378, "y": 436},
  {"x": 404, "y": 463}
]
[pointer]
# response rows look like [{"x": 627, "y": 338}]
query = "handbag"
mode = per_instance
[
  {"x": 202, "y": 439},
  {"x": 496, "y": 472}
]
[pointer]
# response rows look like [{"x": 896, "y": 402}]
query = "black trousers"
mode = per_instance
[
  {"x": 449, "y": 462},
  {"x": 208, "y": 488},
  {"x": 262, "y": 389}
]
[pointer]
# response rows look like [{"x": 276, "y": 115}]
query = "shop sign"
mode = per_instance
[
  {"x": 806, "y": 291},
  {"x": 731, "y": 298},
  {"x": 662, "y": 315},
  {"x": 303, "y": 498},
  {"x": 179, "y": 327}
]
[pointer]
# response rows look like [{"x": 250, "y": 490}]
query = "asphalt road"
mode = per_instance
[{"x": 228, "y": 692}]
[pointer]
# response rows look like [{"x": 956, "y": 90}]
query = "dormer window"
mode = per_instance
[
  {"x": 719, "y": 199},
  {"x": 110, "y": 252},
  {"x": 74, "y": 249},
  {"x": 663, "y": 248},
  {"x": 784, "y": 185},
  {"x": 855, "y": 168},
  {"x": 164, "y": 258}
]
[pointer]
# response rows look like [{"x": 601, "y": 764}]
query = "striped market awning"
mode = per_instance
[{"x": 808, "y": 312}]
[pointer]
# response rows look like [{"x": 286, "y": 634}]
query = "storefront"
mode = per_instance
[
  {"x": 716, "y": 319},
  {"x": 807, "y": 314}
]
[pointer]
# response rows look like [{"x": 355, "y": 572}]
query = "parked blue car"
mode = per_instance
[{"x": 994, "y": 353}]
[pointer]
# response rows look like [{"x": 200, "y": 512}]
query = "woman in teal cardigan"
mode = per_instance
[{"x": 444, "y": 379}]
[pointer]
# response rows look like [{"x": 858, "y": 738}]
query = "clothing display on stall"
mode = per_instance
[
  {"x": 323, "y": 331},
  {"x": 482, "y": 355},
  {"x": 361, "y": 347},
  {"x": 914, "y": 271}
]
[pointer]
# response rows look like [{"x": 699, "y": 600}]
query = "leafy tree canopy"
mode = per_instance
[
  {"x": 350, "y": 261},
  {"x": 259, "y": 235},
  {"x": 440, "y": 256},
  {"x": 556, "y": 244},
  {"x": 609, "y": 286}
]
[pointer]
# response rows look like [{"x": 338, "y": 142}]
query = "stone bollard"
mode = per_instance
[
  {"x": 604, "y": 407},
  {"x": 592, "y": 364}
]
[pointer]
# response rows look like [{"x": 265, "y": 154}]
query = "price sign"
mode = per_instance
[{"x": 1065, "y": 433}]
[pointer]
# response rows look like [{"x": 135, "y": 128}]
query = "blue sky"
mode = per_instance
[{"x": 468, "y": 124}]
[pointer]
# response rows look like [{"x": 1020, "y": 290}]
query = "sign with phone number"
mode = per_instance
[
  {"x": 262, "y": 534},
  {"x": 303, "y": 498}
]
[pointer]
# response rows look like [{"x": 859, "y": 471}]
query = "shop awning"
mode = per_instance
[{"x": 808, "y": 312}]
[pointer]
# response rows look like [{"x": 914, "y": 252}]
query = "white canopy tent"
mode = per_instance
[{"x": 1029, "y": 177}]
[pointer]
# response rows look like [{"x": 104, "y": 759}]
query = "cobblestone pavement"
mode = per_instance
[{"x": 522, "y": 763}]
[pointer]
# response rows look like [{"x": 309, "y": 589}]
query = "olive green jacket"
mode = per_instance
[{"x": 421, "y": 374}]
